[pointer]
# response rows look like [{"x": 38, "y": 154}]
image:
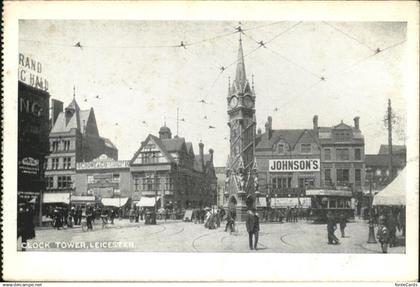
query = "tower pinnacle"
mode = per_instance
[{"x": 240, "y": 77}]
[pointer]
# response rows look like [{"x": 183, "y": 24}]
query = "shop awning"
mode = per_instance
[
  {"x": 394, "y": 193},
  {"x": 147, "y": 201},
  {"x": 115, "y": 201},
  {"x": 58, "y": 197},
  {"x": 80, "y": 198}
]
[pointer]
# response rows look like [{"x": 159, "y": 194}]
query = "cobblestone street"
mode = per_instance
[{"x": 177, "y": 236}]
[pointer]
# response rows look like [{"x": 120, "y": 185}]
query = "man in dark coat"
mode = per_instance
[
  {"x": 252, "y": 227},
  {"x": 331, "y": 227},
  {"x": 343, "y": 224}
]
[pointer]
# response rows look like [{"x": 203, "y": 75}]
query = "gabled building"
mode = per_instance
[
  {"x": 74, "y": 137},
  {"x": 378, "y": 165},
  {"x": 279, "y": 154},
  {"x": 342, "y": 155},
  {"x": 166, "y": 168}
]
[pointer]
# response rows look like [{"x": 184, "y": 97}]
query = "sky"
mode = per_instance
[{"x": 136, "y": 74}]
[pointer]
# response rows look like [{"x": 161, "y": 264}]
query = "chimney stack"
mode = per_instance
[
  {"x": 211, "y": 151},
  {"x": 269, "y": 127},
  {"x": 356, "y": 122},
  {"x": 315, "y": 122},
  {"x": 201, "y": 146}
]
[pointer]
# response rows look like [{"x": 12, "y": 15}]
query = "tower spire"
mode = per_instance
[{"x": 240, "y": 76}]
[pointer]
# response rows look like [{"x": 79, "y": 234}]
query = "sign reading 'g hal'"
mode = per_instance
[{"x": 294, "y": 165}]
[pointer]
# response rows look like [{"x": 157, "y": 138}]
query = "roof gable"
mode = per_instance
[{"x": 151, "y": 140}]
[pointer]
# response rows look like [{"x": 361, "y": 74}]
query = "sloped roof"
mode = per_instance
[
  {"x": 395, "y": 149},
  {"x": 173, "y": 145},
  {"x": 73, "y": 105},
  {"x": 290, "y": 136},
  {"x": 159, "y": 143},
  {"x": 343, "y": 126},
  {"x": 108, "y": 143},
  {"x": 381, "y": 160}
]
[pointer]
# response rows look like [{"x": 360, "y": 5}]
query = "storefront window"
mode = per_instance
[{"x": 343, "y": 154}]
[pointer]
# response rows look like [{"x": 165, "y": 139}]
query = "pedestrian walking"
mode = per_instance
[
  {"x": 383, "y": 234},
  {"x": 331, "y": 227},
  {"x": 58, "y": 218},
  {"x": 89, "y": 217},
  {"x": 230, "y": 221},
  {"x": 392, "y": 227},
  {"x": 253, "y": 228},
  {"x": 343, "y": 224}
]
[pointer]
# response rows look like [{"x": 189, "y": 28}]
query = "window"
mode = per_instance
[
  {"x": 150, "y": 157},
  {"x": 136, "y": 184},
  {"x": 116, "y": 177},
  {"x": 64, "y": 182},
  {"x": 49, "y": 182},
  {"x": 90, "y": 179},
  {"x": 328, "y": 176},
  {"x": 327, "y": 154},
  {"x": 343, "y": 154},
  {"x": 66, "y": 145},
  {"x": 281, "y": 182},
  {"x": 306, "y": 182},
  {"x": 280, "y": 148},
  {"x": 357, "y": 154},
  {"x": 357, "y": 176},
  {"x": 67, "y": 162},
  {"x": 305, "y": 148},
  {"x": 55, "y": 163},
  {"x": 342, "y": 175},
  {"x": 168, "y": 182},
  {"x": 55, "y": 145}
]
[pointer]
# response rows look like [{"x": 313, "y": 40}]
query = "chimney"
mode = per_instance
[
  {"x": 201, "y": 146},
  {"x": 315, "y": 123},
  {"x": 56, "y": 109},
  {"x": 356, "y": 122},
  {"x": 211, "y": 151},
  {"x": 269, "y": 127}
]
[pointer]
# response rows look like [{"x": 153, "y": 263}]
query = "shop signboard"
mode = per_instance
[
  {"x": 294, "y": 165},
  {"x": 31, "y": 71}
]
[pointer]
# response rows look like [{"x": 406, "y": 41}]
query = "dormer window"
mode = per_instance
[
  {"x": 305, "y": 148},
  {"x": 280, "y": 148}
]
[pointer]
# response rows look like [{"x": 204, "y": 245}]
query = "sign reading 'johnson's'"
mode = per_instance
[{"x": 291, "y": 165}]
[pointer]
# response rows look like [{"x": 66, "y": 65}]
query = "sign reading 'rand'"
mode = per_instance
[{"x": 291, "y": 165}]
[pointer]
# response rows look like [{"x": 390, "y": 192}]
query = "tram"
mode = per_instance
[{"x": 328, "y": 200}]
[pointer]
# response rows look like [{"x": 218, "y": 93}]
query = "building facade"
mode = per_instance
[
  {"x": 102, "y": 178},
  {"x": 74, "y": 137},
  {"x": 377, "y": 166},
  {"x": 342, "y": 156},
  {"x": 167, "y": 169},
  {"x": 33, "y": 127},
  {"x": 288, "y": 161}
]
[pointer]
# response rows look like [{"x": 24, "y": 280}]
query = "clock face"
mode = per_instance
[
  {"x": 233, "y": 102},
  {"x": 249, "y": 103}
]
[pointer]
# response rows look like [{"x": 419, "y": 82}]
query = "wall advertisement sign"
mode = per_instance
[{"x": 294, "y": 165}]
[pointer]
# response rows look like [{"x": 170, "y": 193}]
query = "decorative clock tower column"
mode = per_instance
[{"x": 240, "y": 185}]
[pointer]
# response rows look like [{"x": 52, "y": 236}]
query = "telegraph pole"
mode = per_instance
[{"x": 389, "y": 119}]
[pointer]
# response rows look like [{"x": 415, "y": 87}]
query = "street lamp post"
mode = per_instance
[{"x": 371, "y": 238}]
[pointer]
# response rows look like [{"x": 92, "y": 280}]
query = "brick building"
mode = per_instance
[
  {"x": 167, "y": 168},
  {"x": 378, "y": 165},
  {"x": 342, "y": 155},
  {"x": 74, "y": 137},
  {"x": 282, "y": 148},
  {"x": 104, "y": 178}
]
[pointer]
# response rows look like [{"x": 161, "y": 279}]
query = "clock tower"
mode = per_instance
[{"x": 241, "y": 112}]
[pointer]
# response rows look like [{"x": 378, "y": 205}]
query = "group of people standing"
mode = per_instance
[
  {"x": 332, "y": 221},
  {"x": 288, "y": 214},
  {"x": 390, "y": 220}
]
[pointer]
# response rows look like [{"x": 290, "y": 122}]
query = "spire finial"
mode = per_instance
[
  {"x": 252, "y": 81},
  {"x": 74, "y": 92}
]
